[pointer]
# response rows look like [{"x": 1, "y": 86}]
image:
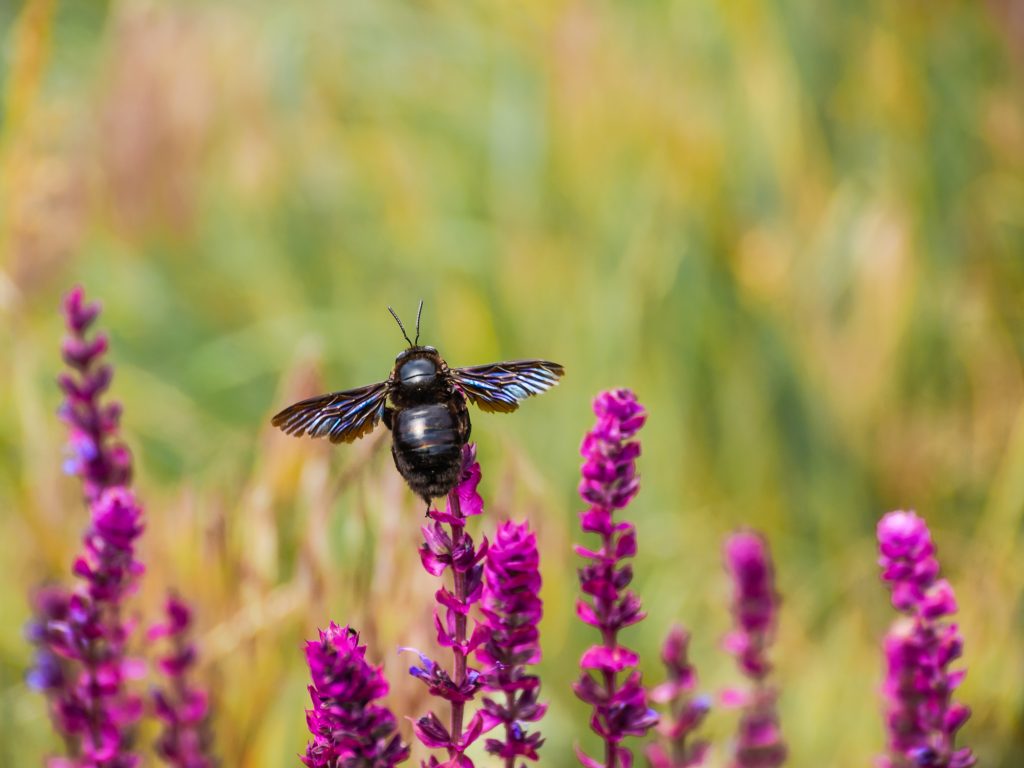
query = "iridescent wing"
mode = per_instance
[
  {"x": 339, "y": 416},
  {"x": 500, "y": 386}
]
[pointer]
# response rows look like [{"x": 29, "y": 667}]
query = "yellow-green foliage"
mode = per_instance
[{"x": 796, "y": 229}]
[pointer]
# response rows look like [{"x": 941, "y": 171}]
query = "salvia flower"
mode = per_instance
[
  {"x": 512, "y": 609},
  {"x": 609, "y": 483},
  {"x": 349, "y": 728},
  {"x": 755, "y": 609},
  {"x": 94, "y": 710},
  {"x": 686, "y": 711},
  {"x": 921, "y": 717},
  {"x": 97, "y": 455},
  {"x": 443, "y": 549},
  {"x": 182, "y": 708},
  {"x": 82, "y": 635}
]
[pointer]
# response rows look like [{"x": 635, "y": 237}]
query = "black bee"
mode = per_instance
[{"x": 423, "y": 403}]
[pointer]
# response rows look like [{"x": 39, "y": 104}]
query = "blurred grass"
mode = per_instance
[{"x": 795, "y": 228}]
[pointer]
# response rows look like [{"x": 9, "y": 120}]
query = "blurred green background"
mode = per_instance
[{"x": 795, "y": 228}]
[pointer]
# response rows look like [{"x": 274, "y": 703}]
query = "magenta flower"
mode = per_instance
[
  {"x": 443, "y": 549},
  {"x": 686, "y": 711},
  {"x": 95, "y": 711},
  {"x": 921, "y": 716},
  {"x": 512, "y": 609},
  {"x": 97, "y": 455},
  {"x": 349, "y": 729},
  {"x": 755, "y": 607},
  {"x": 81, "y": 635},
  {"x": 609, "y": 482},
  {"x": 185, "y": 741}
]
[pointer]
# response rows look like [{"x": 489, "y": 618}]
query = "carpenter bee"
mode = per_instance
[{"x": 423, "y": 403}]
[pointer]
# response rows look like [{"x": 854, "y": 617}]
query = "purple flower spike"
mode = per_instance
[
  {"x": 183, "y": 709},
  {"x": 452, "y": 548},
  {"x": 512, "y": 608},
  {"x": 81, "y": 635},
  {"x": 349, "y": 729},
  {"x": 97, "y": 455},
  {"x": 755, "y": 607},
  {"x": 686, "y": 711},
  {"x": 921, "y": 717},
  {"x": 90, "y": 705},
  {"x": 609, "y": 483}
]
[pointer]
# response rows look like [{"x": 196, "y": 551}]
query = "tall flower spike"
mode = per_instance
[
  {"x": 512, "y": 609},
  {"x": 686, "y": 711},
  {"x": 609, "y": 482},
  {"x": 349, "y": 729},
  {"x": 81, "y": 635},
  {"x": 755, "y": 608},
  {"x": 97, "y": 455},
  {"x": 443, "y": 549},
  {"x": 921, "y": 717},
  {"x": 100, "y": 460},
  {"x": 182, "y": 708}
]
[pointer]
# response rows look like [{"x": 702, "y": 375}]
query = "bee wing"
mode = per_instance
[
  {"x": 500, "y": 386},
  {"x": 339, "y": 416}
]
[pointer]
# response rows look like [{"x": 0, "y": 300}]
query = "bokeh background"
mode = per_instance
[{"x": 795, "y": 228}]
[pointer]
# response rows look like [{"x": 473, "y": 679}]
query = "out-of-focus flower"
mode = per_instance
[
  {"x": 94, "y": 710},
  {"x": 49, "y": 673},
  {"x": 921, "y": 717},
  {"x": 755, "y": 608},
  {"x": 349, "y": 729},
  {"x": 97, "y": 455},
  {"x": 609, "y": 482},
  {"x": 82, "y": 635},
  {"x": 182, "y": 708},
  {"x": 108, "y": 564},
  {"x": 512, "y": 609},
  {"x": 686, "y": 711},
  {"x": 443, "y": 549}
]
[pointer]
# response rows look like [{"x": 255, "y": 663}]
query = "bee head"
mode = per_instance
[{"x": 418, "y": 371}]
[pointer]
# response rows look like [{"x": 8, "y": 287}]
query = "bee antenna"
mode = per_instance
[
  {"x": 399, "y": 321},
  {"x": 418, "y": 313}
]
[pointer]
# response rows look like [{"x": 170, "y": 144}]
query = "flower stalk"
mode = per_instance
[
  {"x": 181, "y": 707},
  {"x": 685, "y": 710},
  {"x": 81, "y": 635},
  {"x": 922, "y": 719},
  {"x": 512, "y": 609},
  {"x": 443, "y": 549},
  {"x": 755, "y": 607},
  {"x": 609, "y": 483}
]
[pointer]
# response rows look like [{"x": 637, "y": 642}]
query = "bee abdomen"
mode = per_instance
[
  {"x": 427, "y": 432},
  {"x": 427, "y": 448}
]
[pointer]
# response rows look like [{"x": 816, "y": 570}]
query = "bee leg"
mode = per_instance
[{"x": 427, "y": 513}]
